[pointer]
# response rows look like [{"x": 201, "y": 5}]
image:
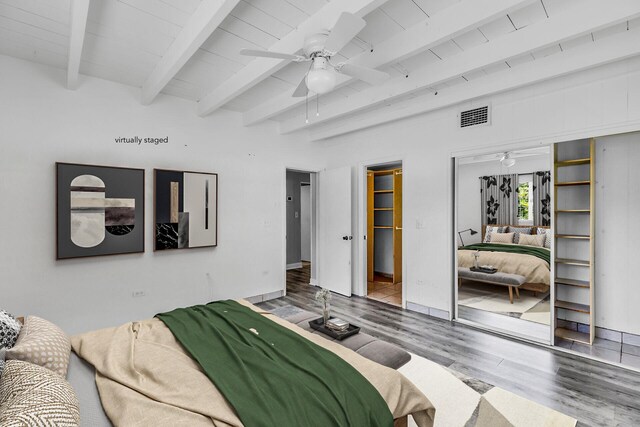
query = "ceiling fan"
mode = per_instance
[{"x": 318, "y": 49}]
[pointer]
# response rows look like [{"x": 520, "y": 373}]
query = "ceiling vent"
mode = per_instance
[{"x": 477, "y": 116}]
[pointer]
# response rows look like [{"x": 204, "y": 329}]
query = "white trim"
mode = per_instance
[
  {"x": 360, "y": 264},
  {"x": 294, "y": 266},
  {"x": 312, "y": 171},
  {"x": 77, "y": 31}
]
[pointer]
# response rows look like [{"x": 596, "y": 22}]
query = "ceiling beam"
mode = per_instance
[
  {"x": 444, "y": 25},
  {"x": 590, "y": 16},
  {"x": 78, "y": 23},
  {"x": 261, "y": 68},
  {"x": 607, "y": 50},
  {"x": 206, "y": 18}
]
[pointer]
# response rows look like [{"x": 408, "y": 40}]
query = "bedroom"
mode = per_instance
[{"x": 587, "y": 88}]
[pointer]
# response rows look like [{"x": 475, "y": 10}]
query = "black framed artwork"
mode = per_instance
[
  {"x": 185, "y": 209},
  {"x": 99, "y": 210}
]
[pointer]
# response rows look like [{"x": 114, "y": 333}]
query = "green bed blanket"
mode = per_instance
[
  {"x": 272, "y": 376},
  {"x": 542, "y": 253}
]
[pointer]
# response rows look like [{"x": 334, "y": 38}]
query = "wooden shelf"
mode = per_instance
[
  {"x": 568, "y": 334},
  {"x": 383, "y": 191},
  {"x": 570, "y": 261},
  {"x": 572, "y": 183},
  {"x": 383, "y": 227},
  {"x": 573, "y": 162},
  {"x": 573, "y": 282},
  {"x": 576, "y": 211},
  {"x": 573, "y": 306},
  {"x": 573, "y": 236},
  {"x": 383, "y": 209}
]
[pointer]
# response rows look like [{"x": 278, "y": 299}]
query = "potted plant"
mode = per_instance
[{"x": 323, "y": 296}]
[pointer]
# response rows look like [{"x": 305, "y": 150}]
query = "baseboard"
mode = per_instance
[
  {"x": 264, "y": 297},
  {"x": 429, "y": 311},
  {"x": 604, "y": 333},
  {"x": 313, "y": 282},
  {"x": 294, "y": 266}
]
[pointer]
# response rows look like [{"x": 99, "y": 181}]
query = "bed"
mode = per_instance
[
  {"x": 136, "y": 365},
  {"x": 531, "y": 263}
]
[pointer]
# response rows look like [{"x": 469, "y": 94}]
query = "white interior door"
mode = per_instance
[{"x": 335, "y": 238}]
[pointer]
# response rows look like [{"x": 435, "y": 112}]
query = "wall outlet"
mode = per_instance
[
  {"x": 138, "y": 294},
  {"x": 420, "y": 283},
  {"x": 297, "y": 214},
  {"x": 420, "y": 223}
]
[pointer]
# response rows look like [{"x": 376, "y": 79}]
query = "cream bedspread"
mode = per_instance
[
  {"x": 145, "y": 378},
  {"x": 532, "y": 268}
]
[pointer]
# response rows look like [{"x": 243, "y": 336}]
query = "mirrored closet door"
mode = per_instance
[{"x": 504, "y": 239}]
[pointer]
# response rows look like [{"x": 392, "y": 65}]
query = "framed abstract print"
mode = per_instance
[
  {"x": 186, "y": 209},
  {"x": 99, "y": 210}
]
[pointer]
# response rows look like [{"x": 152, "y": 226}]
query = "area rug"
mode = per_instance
[
  {"x": 467, "y": 402},
  {"x": 496, "y": 300},
  {"x": 462, "y": 401}
]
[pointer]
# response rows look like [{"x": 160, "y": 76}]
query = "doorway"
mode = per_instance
[
  {"x": 300, "y": 227},
  {"x": 384, "y": 233}
]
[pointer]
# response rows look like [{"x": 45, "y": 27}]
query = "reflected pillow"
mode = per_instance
[
  {"x": 492, "y": 229},
  {"x": 517, "y": 231},
  {"x": 547, "y": 233},
  {"x": 501, "y": 238},
  {"x": 532, "y": 240}
]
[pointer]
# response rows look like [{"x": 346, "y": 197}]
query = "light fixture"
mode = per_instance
[
  {"x": 470, "y": 230},
  {"x": 507, "y": 160},
  {"x": 322, "y": 77}
]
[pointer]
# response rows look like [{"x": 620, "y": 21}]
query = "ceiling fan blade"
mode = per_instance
[
  {"x": 302, "y": 89},
  {"x": 347, "y": 27},
  {"x": 269, "y": 54},
  {"x": 369, "y": 75}
]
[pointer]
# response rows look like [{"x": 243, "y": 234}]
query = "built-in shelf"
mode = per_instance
[
  {"x": 580, "y": 202},
  {"x": 573, "y": 282},
  {"x": 383, "y": 227},
  {"x": 569, "y": 334},
  {"x": 576, "y": 211},
  {"x": 573, "y": 306},
  {"x": 573, "y": 162},
  {"x": 383, "y": 191},
  {"x": 383, "y": 209},
  {"x": 572, "y": 183},
  {"x": 569, "y": 261}
]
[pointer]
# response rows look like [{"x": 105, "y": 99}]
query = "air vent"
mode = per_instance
[{"x": 477, "y": 116}]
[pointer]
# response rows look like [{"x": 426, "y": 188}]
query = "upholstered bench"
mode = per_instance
[
  {"x": 513, "y": 281},
  {"x": 365, "y": 345}
]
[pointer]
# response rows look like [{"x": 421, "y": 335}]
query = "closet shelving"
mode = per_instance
[
  {"x": 574, "y": 289},
  {"x": 384, "y": 215}
]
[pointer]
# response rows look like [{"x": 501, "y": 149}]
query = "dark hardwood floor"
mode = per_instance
[{"x": 595, "y": 393}]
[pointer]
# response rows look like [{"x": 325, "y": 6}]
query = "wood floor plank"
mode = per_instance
[{"x": 593, "y": 392}]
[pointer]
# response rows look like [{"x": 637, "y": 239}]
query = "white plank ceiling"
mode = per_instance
[{"x": 125, "y": 40}]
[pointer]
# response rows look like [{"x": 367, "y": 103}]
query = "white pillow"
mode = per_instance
[
  {"x": 502, "y": 237},
  {"x": 532, "y": 240},
  {"x": 492, "y": 229}
]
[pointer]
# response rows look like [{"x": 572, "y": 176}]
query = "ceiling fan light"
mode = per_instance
[
  {"x": 321, "y": 80},
  {"x": 507, "y": 160}
]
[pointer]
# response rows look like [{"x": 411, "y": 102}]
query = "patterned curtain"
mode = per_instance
[
  {"x": 499, "y": 198},
  {"x": 542, "y": 198}
]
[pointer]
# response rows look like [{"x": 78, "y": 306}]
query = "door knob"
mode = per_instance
[{"x": 347, "y": 237}]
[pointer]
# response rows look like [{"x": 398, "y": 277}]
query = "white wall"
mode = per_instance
[
  {"x": 294, "y": 217},
  {"x": 469, "y": 209},
  {"x": 617, "y": 219},
  {"x": 305, "y": 223},
  {"x": 595, "y": 102},
  {"x": 41, "y": 122}
]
